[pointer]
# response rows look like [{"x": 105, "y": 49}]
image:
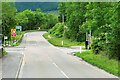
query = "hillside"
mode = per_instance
[
  {"x": 44, "y": 6},
  {"x": 53, "y": 12}
]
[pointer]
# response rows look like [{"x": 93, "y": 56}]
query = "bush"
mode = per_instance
[
  {"x": 4, "y": 52},
  {"x": 96, "y": 48},
  {"x": 57, "y": 29}
]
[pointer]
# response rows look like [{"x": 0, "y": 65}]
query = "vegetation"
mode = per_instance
[
  {"x": 29, "y": 20},
  {"x": 100, "y": 18},
  {"x": 4, "y": 52},
  {"x": 74, "y": 20},
  {"x": 21, "y": 38},
  {"x": 58, "y": 41},
  {"x": 100, "y": 61}
]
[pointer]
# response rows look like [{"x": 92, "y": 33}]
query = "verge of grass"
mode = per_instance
[
  {"x": 4, "y": 52},
  {"x": 103, "y": 62},
  {"x": 19, "y": 41},
  {"x": 58, "y": 41}
]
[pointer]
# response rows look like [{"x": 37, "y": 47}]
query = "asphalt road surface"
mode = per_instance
[{"x": 43, "y": 60}]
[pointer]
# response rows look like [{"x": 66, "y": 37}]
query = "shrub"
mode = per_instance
[{"x": 57, "y": 29}]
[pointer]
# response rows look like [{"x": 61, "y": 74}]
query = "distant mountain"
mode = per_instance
[{"x": 44, "y": 6}]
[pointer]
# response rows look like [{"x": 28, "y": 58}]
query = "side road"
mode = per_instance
[{"x": 11, "y": 63}]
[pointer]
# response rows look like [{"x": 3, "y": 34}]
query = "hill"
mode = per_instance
[
  {"x": 44, "y": 6},
  {"x": 53, "y": 12}
]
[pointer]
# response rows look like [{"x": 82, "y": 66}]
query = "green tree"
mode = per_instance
[{"x": 8, "y": 17}]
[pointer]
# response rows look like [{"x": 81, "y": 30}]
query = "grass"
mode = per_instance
[
  {"x": 103, "y": 62},
  {"x": 4, "y": 52},
  {"x": 19, "y": 41},
  {"x": 83, "y": 48},
  {"x": 58, "y": 41}
]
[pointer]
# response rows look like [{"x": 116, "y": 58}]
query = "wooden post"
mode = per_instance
[{"x": 62, "y": 42}]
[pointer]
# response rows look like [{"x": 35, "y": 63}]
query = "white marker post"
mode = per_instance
[
  {"x": 80, "y": 49},
  {"x": 62, "y": 42}
]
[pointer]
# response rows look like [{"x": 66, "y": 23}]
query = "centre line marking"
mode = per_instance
[{"x": 61, "y": 71}]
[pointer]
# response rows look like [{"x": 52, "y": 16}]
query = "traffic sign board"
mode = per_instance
[
  {"x": 5, "y": 37},
  {"x": 13, "y": 32},
  {"x": 19, "y": 28}
]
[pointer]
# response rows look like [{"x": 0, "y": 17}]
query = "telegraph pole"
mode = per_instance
[
  {"x": 90, "y": 40},
  {"x": 63, "y": 23}
]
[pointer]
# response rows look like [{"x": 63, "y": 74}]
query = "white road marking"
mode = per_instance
[
  {"x": 58, "y": 67},
  {"x": 61, "y": 71},
  {"x": 18, "y": 70}
]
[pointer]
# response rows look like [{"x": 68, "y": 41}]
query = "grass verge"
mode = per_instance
[
  {"x": 58, "y": 41},
  {"x": 4, "y": 52},
  {"x": 19, "y": 41},
  {"x": 103, "y": 62}
]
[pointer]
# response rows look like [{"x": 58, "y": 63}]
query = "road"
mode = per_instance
[{"x": 43, "y": 60}]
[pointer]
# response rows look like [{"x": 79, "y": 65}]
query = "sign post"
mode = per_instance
[
  {"x": 18, "y": 28},
  {"x": 13, "y": 33},
  {"x": 5, "y": 37}
]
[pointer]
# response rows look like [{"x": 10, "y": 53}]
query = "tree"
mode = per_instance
[{"x": 8, "y": 17}]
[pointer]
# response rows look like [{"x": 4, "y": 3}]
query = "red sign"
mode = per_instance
[{"x": 13, "y": 32}]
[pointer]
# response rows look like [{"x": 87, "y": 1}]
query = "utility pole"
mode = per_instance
[
  {"x": 90, "y": 40},
  {"x": 63, "y": 18},
  {"x": 86, "y": 41},
  {"x": 63, "y": 23}
]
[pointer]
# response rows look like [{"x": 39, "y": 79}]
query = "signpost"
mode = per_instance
[
  {"x": 13, "y": 34},
  {"x": 38, "y": 28},
  {"x": 5, "y": 37},
  {"x": 18, "y": 28}
]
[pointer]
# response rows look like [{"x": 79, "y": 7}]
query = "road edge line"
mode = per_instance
[{"x": 19, "y": 67}]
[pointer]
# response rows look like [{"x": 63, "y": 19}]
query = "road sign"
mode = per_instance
[
  {"x": 18, "y": 28},
  {"x": 5, "y": 37},
  {"x": 38, "y": 28},
  {"x": 13, "y": 32}
]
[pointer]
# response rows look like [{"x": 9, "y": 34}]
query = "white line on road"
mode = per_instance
[
  {"x": 17, "y": 73},
  {"x": 61, "y": 71}
]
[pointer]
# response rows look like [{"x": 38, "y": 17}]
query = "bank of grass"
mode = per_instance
[
  {"x": 58, "y": 41},
  {"x": 103, "y": 62}
]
